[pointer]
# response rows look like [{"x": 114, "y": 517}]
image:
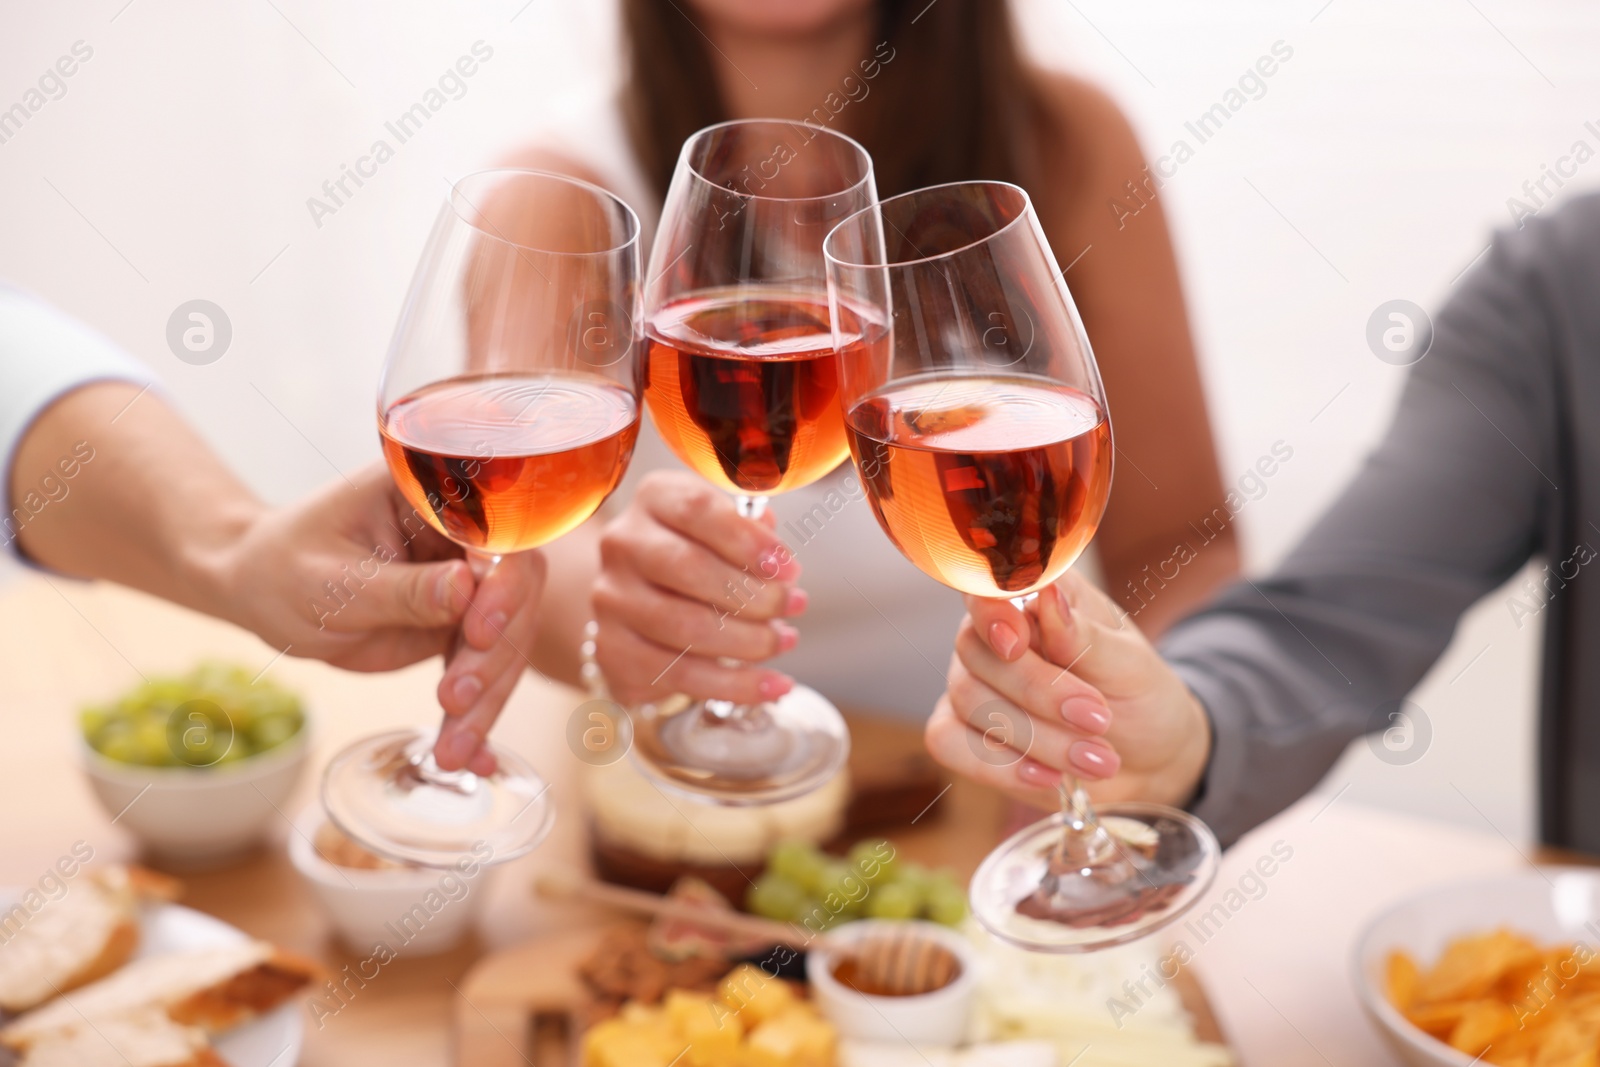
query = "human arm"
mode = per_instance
[
  {"x": 349, "y": 575},
  {"x": 1290, "y": 668},
  {"x": 1123, "y": 274}
]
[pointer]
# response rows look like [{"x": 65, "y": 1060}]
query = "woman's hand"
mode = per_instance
[
  {"x": 356, "y": 577},
  {"x": 1070, "y": 686},
  {"x": 685, "y": 583}
]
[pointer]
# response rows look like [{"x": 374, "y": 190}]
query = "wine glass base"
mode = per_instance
[
  {"x": 772, "y": 752},
  {"x": 1160, "y": 862},
  {"x": 388, "y": 796}
]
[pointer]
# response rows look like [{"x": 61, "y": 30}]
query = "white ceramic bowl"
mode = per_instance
[
  {"x": 931, "y": 1020},
  {"x": 198, "y": 816},
  {"x": 413, "y": 911},
  {"x": 1552, "y": 905}
]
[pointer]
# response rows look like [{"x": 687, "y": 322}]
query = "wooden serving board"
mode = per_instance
[{"x": 519, "y": 1007}]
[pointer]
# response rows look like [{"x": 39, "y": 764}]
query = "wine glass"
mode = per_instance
[
  {"x": 508, "y": 411},
  {"x": 979, "y": 426},
  {"x": 744, "y": 387}
]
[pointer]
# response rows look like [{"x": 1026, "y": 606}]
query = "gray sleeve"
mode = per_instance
[
  {"x": 44, "y": 355},
  {"x": 1293, "y": 666}
]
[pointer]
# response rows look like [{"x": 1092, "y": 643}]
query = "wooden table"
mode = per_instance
[{"x": 1276, "y": 969}]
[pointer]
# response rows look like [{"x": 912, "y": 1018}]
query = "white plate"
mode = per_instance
[
  {"x": 270, "y": 1041},
  {"x": 1552, "y": 905}
]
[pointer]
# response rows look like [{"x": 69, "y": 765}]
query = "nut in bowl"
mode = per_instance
[
  {"x": 886, "y": 980},
  {"x": 1502, "y": 971},
  {"x": 196, "y": 766},
  {"x": 384, "y": 909}
]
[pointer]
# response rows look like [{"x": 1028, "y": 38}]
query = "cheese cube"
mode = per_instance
[{"x": 754, "y": 995}]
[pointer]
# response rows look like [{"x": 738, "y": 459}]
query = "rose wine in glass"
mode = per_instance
[
  {"x": 743, "y": 384},
  {"x": 978, "y": 423},
  {"x": 500, "y": 465},
  {"x": 992, "y": 485},
  {"x": 508, "y": 411}
]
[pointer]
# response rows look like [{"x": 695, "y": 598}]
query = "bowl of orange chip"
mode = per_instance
[{"x": 1503, "y": 971}]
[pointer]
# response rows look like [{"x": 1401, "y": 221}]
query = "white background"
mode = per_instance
[{"x": 178, "y": 164}]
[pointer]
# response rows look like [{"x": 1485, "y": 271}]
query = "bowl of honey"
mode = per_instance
[{"x": 888, "y": 980}]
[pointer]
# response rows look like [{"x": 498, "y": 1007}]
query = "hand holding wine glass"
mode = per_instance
[
  {"x": 508, "y": 411},
  {"x": 680, "y": 566},
  {"x": 744, "y": 388},
  {"x": 1104, "y": 706},
  {"x": 979, "y": 425}
]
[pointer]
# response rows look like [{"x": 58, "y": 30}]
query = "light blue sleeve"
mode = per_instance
[{"x": 44, "y": 355}]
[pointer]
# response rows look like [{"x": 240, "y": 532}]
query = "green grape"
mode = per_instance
[
  {"x": 151, "y": 737},
  {"x": 875, "y": 860},
  {"x": 812, "y": 914},
  {"x": 947, "y": 906},
  {"x": 92, "y": 720},
  {"x": 799, "y": 862},
  {"x": 837, "y": 879},
  {"x": 240, "y": 749},
  {"x": 894, "y": 900},
  {"x": 774, "y": 897},
  {"x": 272, "y": 730},
  {"x": 121, "y": 746}
]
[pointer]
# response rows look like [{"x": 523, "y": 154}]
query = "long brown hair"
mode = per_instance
[{"x": 950, "y": 103}]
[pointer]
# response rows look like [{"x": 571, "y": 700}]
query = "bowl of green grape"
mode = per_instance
[{"x": 197, "y": 765}]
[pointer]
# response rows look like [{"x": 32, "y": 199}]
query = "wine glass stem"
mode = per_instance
[
  {"x": 482, "y": 564},
  {"x": 751, "y": 507}
]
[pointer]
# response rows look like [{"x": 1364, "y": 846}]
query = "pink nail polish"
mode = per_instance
[
  {"x": 1090, "y": 716},
  {"x": 1093, "y": 760},
  {"x": 1037, "y": 773},
  {"x": 796, "y": 602},
  {"x": 774, "y": 686},
  {"x": 788, "y": 636},
  {"x": 778, "y": 563}
]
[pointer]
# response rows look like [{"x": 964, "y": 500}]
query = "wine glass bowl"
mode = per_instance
[
  {"x": 743, "y": 385},
  {"x": 508, "y": 411},
  {"x": 978, "y": 423}
]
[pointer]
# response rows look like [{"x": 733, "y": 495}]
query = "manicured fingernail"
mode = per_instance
[
  {"x": 456, "y": 748},
  {"x": 1037, "y": 773},
  {"x": 774, "y": 686},
  {"x": 1090, "y": 716},
  {"x": 788, "y": 636},
  {"x": 796, "y": 602},
  {"x": 1093, "y": 760},
  {"x": 1003, "y": 639},
  {"x": 466, "y": 689},
  {"x": 779, "y": 563}
]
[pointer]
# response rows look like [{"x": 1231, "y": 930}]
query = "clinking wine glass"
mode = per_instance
[
  {"x": 508, "y": 411},
  {"x": 979, "y": 427},
  {"x": 744, "y": 388}
]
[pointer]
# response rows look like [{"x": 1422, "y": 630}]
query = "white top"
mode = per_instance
[
  {"x": 44, "y": 355},
  {"x": 878, "y": 633}
]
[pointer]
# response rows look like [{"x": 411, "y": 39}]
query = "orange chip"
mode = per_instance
[
  {"x": 1438, "y": 1019},
  {"x": 1471, "y": 966},
  {"x": 1484, "y": 1022},
  {"x": 1401, "y": 979}
]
